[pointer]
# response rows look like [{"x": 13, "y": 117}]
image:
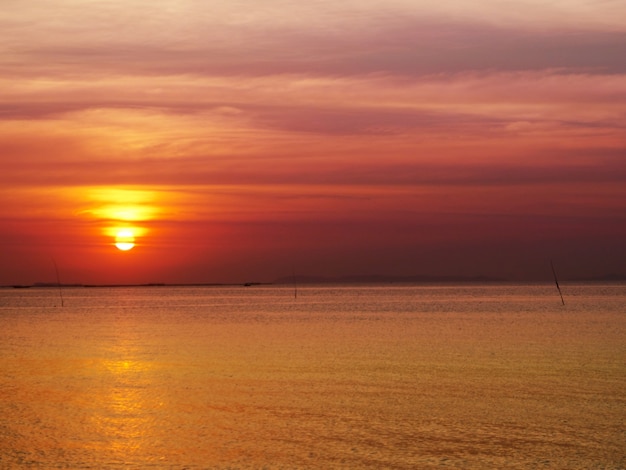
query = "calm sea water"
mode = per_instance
[{"x": 402, "y": 377}]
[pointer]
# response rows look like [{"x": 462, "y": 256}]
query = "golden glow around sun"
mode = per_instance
[
  {"x": 122, "y": 213},
  {"x": 124, "y": 239},
  {"x": 123, "y": 204}
]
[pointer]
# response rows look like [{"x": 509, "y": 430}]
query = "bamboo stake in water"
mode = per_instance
[
  {"x": 56, "y": 269},
  {"x": 556, "y": 281}
]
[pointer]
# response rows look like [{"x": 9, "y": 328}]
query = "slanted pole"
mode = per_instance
[
  {"x": 556, "y": 281},
  {"x": 56, "y": 270}
]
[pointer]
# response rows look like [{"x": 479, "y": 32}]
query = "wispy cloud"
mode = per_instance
[{"x": 416, "y": 121}]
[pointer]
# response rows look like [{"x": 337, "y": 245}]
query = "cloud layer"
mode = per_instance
[{"x": 379, "y": 135}]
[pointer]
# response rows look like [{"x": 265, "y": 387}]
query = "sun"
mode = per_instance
[{"x": 124, "y": 240}]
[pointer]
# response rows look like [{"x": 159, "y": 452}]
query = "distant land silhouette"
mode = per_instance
[
  {"x": 381, "y": 278},
  {"x": 606, "y": 277},
  {"x": 349, "y": 279}
]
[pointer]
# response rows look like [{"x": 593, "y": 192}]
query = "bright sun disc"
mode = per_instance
[{"x": 124, "y": 240}]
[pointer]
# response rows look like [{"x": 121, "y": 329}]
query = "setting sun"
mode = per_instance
[{"x": 124, "y": 240}]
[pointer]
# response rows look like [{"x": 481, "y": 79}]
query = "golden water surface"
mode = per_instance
[{"x": 341, "y": 377}]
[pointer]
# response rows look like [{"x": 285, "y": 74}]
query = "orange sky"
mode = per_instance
[{"x": 239, "y": 140}]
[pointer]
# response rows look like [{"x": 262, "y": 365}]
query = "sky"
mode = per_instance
[{"x": 243, "y": 140}]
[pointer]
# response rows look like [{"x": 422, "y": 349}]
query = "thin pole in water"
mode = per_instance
[
  {"x": 56, "y": 270},
  {"x": 556, "y": 281}
]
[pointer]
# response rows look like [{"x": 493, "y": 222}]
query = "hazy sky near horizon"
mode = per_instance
[{"x": 240, "y": 140}]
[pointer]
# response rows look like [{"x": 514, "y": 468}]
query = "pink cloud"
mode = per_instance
[{"x": 402, "y": 135}]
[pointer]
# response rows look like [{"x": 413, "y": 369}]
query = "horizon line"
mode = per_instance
[{"x": 314, "y": 279}]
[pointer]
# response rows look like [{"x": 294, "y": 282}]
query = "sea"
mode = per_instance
[{"x": 386, "y": 376}]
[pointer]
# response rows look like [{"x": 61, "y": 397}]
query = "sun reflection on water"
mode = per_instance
[
  {"x": 125, "y": 405},
  {"x": 125, "y": 366}
]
